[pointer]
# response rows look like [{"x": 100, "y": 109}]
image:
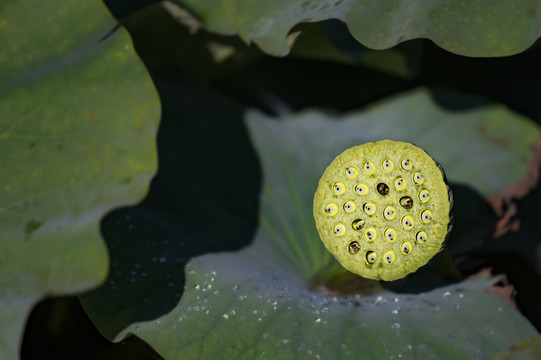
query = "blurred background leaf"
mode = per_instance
[
  {"x": 78, "y": 118},
  {"x": 471, "y": 28}
]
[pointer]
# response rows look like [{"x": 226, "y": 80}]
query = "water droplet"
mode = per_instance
[
  {"x": 446, "y": 294},
  {"x": 408, "y": 347},
  {"x": 436, "y": 309},
  {"x": 285, "y": 341},
  {"x": 395, "y": 311},
  {"x": 225, "y": 316},
  {"x": 163, "y": 259},
  {"x": 317, "y": 320},
  {"x": 197, "y": 287},
  {"x": 396, "y": 326}
]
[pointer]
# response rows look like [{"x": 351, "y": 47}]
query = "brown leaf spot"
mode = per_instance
[
  {"x": 503, "y": 202},
  {"x": 499, "y": 286}
]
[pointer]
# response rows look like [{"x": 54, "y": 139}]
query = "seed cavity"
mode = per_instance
[
  {"x": 424, "y": 195},
  {"x": 426, "y": 216},
  {"x": 339, "y": 230},
  {"x": 421, "y": 237},
  {"x": 390, "y": 235},
  {"x": 389, "y": 257},
  {"x": 331, "y": 209},
  {"x": 406, "y": 202},
  {"x": 357, "y": 224},
  {"x": 389, "y": 213},
  {"x": 406, "y": 164},
  {"x": 361, "y": 189},
  {"x": 387, "y": 165},
  {"x": 371, "y": 257},
  {"x": 354, "y": 247},
  {"x": 369, "y": 208},
  {"x": 400, "y": 184},
  {"x": 405, "y": 248},
  {"x": 351, "y": 172},
  {"x": 369, "y": 167},
  {"x": 382, "y": 189},
  {"x": 407, "y": 222},
  {"x": 339, "y": 188},
  {"x": 418, "y": 178},
  {"x": 349, "y": 206},
  {"x": 370, "y": 234}
]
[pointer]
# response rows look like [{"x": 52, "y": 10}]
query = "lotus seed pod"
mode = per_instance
[{"x": 383, "y": 209}]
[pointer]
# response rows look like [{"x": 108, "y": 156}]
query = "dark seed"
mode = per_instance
[
  {"x": 382, "y": 188},
  {"x": 406, "y": 202},
  {"x": 354, "y": 247}
]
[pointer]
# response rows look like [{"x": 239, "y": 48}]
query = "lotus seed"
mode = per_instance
[
  {"x": 369, "y": 208},
  {"x": 390, "y": 235},
  {"x": 406, "y": 202},
  {"x": 389, "y": 213},
  {"x": 424, "y": 195},
  {"x": 382, "y": 189},
  {"x": 369, "y": 168},
  {"x": 387, "y": 165},
  {"x": 357, "y": 224},
  {"x": 339, "y": 230},
  {"x": 400, "y": 184},
  {"x": 351, "y": 172},
  {"x": 406, "y": 164},
  {"x": 370, "y": 234},
  {"x": 371, "y": 257},
  {"x": 389, "y": 257},
  {"x": 331, "y": 209},
  {"x": 361, "y": 189},
  {"x": 349, "y": 206},
  {"x": 339, "y": 188},
  {"x": 354, "y": 247}
]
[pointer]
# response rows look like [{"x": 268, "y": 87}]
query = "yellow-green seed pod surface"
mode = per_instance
[{"x": 395, "y": 216}]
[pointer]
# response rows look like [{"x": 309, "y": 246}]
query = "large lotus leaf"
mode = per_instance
[
  {"x": 473, "y": 28},
  {"x": 255, "y": 303},
  {"x": 78, "y": 117}
]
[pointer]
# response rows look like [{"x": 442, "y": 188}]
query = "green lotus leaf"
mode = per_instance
[
  {"x": 78, "y": 118},
  {"x": 255, "y": 303},
  {"x": 472, "y": 28}
]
